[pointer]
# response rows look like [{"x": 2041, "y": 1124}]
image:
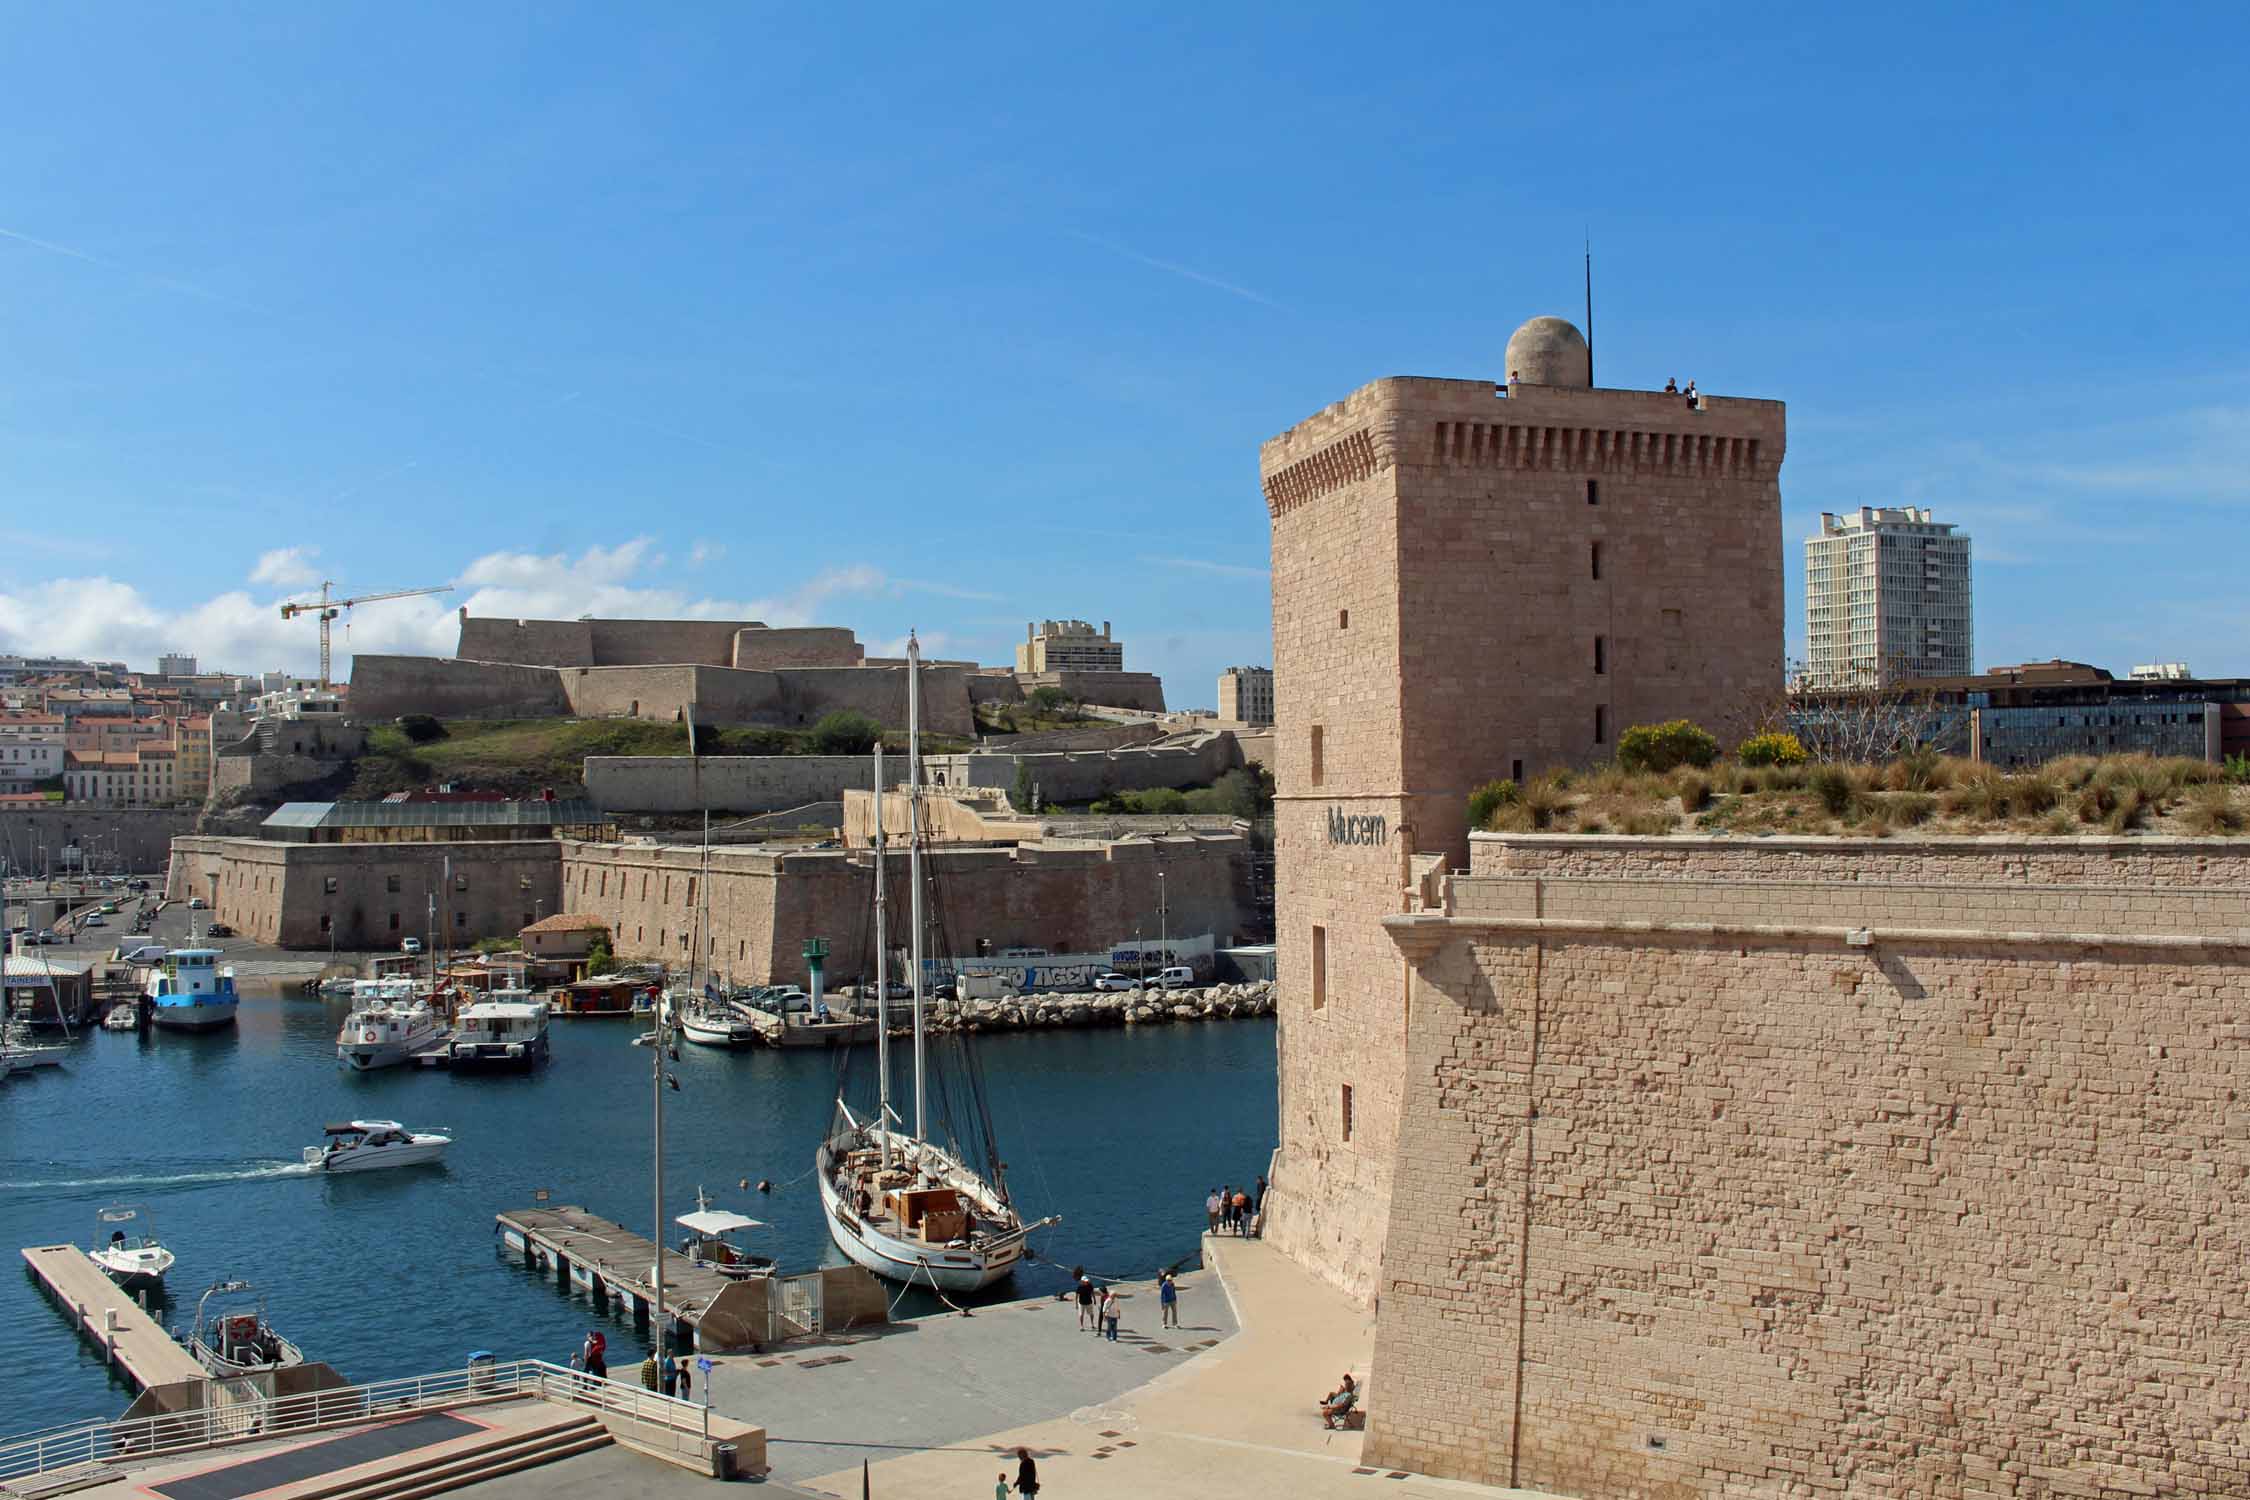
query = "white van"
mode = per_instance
[
  {"x": 1174, "y": 979},
  {"x": 146, "y": 953}
]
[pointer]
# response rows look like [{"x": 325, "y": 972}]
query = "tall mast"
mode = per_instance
[
  {"x": 882, "y": 981},
  {"x": 914, "y": 858},
  {"x": 656, "y": 1326}
]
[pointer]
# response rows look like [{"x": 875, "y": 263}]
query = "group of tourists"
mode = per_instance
[{"x": 1233, "y": 1210}]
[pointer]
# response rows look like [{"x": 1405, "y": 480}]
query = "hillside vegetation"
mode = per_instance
[{"x": 525, "y": 757}]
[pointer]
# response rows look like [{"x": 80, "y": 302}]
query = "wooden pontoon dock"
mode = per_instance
[{"x": 131, "y": 1339}]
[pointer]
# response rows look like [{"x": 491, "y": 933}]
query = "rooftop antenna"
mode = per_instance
[{"x": 1589, "y": 309}]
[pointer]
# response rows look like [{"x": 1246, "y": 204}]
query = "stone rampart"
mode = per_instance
[
  {"x": 384, "y": 687},
  {"x": 371, "y": 895},
  {"x": 765, "y": 904},
  {"x": 767, "y": 650},
  {"x": 723, "y": 783},
  {"x": 1083, "y": 775},
  {"x": 1141, "y": 690},
  {"x": 33, "y": 838},
  {"x": 527, "y": 643},
  {"x": 1812, "y": 1149}
]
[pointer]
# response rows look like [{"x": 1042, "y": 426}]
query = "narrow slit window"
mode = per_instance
[
  {"x": 1601, "y": 655},
  {"x": 1319, "y": 770},
  {"x": 1601, "y": 725},
  {"x": 1319, "y": 967},
  {"x": 1593, "y": 492},
  {"x": 1343, "y": 619},
  {"x": 1347, "y": 1111},
  {"x": 1597, "y": 561}
]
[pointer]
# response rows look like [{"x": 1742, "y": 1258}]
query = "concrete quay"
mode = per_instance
[{"x": 127, "y": 1336}]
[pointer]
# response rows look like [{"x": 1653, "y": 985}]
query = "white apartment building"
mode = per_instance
[
  {"x": 1069, "y": 646},
  {"x": 310, "y": 702},
  {"x": 1246, "y": 695},
  {"x": 27, "y": 758},
  {"x": 1887, "y": 596}
]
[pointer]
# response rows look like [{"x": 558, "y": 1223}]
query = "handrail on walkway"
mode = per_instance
[{"x": 146, "y": 1439}]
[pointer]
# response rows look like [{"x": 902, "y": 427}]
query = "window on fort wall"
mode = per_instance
[
  {"x": 1601, "y": 655},
  {"x": 1319, "y": 967},
  {"x": 1601, "y": 725},
  {"x": 324, "y": 926},
  {"x": 328, "y": 886},
  {"x": 1343, "y": 619},
  {"x": 394, "y": 928},
  {"x": 390, "y": 884},
  {"x": 1347, "y": 1111},
  {"x": 1593, "y": 492},
  {"x": 1318, "y": 770},
  {"x": 1597, "y": 560}
]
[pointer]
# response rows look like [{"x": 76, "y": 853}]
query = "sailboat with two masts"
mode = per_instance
[{"x": 901, "y": 1202}]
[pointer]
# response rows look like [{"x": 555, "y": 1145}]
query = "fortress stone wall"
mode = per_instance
[
  {"x": 373, "y": 895},
  {"x": 1822, "y": 1166},
  {"x": 385, "y": 687},
  {"x": 723, "y": 783},
  {"x": 1066, "y": 898},
  {"x": 139, "y": 835}
]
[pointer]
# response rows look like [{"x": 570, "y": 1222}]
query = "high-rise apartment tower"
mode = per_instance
[{"x": 1886, "y": 598}]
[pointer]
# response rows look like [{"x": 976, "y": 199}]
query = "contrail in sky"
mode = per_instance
[
  {"x": 187, "y": 287},
  {"x": 1177, "y": 270}
]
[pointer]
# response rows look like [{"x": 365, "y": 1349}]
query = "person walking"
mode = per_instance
[
  {"x": 1027, "y": 1473},
  {"x": 1168, "y": 1299},
  {"x": 1211, "y": 1210},
  {"x": 597, "y": 1354},
  {"x": 1226, "y": 1208},
  {"x": 687, "y": 1380},
  {"x": 1242, "y": 1213},
  {"x": 1110, "y": 1314},
  {"x": 668, "y": 1373},
  {"x": 1086, "y": 1302}
]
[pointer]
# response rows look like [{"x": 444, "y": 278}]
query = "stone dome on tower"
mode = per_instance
[{"x": 1550, "y": 351}]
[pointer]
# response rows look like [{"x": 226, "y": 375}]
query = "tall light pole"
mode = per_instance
[{"x": 1163, "y": 920}]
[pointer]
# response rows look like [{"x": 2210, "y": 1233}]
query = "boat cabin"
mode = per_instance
[
  {"x": 367, "y": 1133},
  {"x": 190, "y": 971},
  {"x": 707, "y": 1243},
  {"x": 939, "y": 1215}
]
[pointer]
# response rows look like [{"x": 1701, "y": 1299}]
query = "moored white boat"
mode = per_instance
[
  {"x": 506, "y": 1029},
  {"x": 709, "y": 1021},
  {"x": 240, "y": 1341},
  {"x": 370, "y": 1145},
  {"x": 130, "y": 1253},
  {"x": 387, "y": 1025},
  {"x": 707, "y": 1242}
]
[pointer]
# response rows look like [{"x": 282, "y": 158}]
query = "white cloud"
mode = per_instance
[
  {"x": 705, "y": 552},
  {"x": 103, "y": 617},
  {"x": 287, "y": 568}
]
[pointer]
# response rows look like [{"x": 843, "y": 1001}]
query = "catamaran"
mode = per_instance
[{"x": 900, "y": 1202}]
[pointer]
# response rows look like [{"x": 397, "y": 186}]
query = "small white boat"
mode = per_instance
[
  {"x": 707, "y": 1243},
  {"x": 130, "y": 1253},
  {"x": 368, "y": 1145},
  {"x": 241, "y": 1341},
  {"x": 709, "y": 1021},
  {"x": 122, "y": 1017},
  {"x": 386, "y": 1027},
  {"x": 507, "y": 1029}
]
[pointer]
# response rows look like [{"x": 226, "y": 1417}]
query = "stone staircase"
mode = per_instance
[{"x": 412, "y": 1476}]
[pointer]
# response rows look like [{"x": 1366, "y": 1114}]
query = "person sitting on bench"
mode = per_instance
[{"x": 1336, "y": 1406}]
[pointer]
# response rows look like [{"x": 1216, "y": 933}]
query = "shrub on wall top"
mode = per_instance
[
  {"x": 1665, "y": 747},
  {"x": 1772, "y": 749}
]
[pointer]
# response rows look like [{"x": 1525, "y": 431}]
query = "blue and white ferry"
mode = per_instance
[{"x": 190, "y": 992}]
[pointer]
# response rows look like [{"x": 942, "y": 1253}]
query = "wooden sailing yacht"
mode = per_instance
[{"x": 901, "y": 1203}]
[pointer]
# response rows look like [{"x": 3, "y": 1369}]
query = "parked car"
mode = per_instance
[
  {"x": 43, "y": 935},
  {"x": 145, "y": 953},
  {"x": 1173, "y": 979},
  {"x": 411, "y": 945},
  {"x": 218, "y": 929},
  {"x": 1116, "y": 981},
  {"x": 197, "y": 903},
  {"x": 93, "y": 919}
]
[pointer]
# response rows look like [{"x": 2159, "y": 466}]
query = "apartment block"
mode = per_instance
[
  {"x": 1246, "y": 695},
  {"x": 1887, "y": 597},
  {"x": 1069, "y": 646}
]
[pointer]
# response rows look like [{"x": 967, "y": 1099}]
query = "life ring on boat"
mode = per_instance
[{"x": 367, "y": 1036}]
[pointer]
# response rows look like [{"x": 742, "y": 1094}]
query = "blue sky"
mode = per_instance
[{"x": 953, "y": 317}]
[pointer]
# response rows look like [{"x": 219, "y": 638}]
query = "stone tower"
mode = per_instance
[{"x": 1473, "y": 582}]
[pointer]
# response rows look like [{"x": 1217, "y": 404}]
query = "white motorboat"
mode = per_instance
[
  {"x": 506, "y": 1029},
  {"x": 130, "y": 1253},
  {"x": 902, "y": 1202},
  {"x": 123, "y": 1016},
  {"x": 387, "y": 1025},
  {"x": 238, "y": 1341},
  {"x": 707, "y": 1243},
  {"x": 370, "y": 1145}
]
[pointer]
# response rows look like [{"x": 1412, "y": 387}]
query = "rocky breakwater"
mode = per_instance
[{"x": 1218, "y": 1002}]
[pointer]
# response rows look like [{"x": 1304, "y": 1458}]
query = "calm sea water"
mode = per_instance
[{"x": 395, "y": 1273}]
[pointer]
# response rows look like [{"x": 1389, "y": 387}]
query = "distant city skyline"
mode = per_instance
[{"x": 719, "y": 312}]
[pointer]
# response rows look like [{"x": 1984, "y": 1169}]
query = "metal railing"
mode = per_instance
[{"x": 143, "y": 1440}]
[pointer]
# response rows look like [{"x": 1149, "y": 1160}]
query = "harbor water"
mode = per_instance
[{"x": 393, "y": 1273}]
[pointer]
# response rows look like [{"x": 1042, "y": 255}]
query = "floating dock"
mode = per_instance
[{"x": 132, "y": 1340}]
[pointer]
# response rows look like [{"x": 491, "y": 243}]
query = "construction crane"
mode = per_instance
[{"x": 328, "y": 609}]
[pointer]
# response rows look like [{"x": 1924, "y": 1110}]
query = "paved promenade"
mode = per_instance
[{"x": 1237, "y": 1419}]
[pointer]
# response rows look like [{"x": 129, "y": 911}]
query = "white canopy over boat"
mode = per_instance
[{"x": 716, "y": 1221}]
